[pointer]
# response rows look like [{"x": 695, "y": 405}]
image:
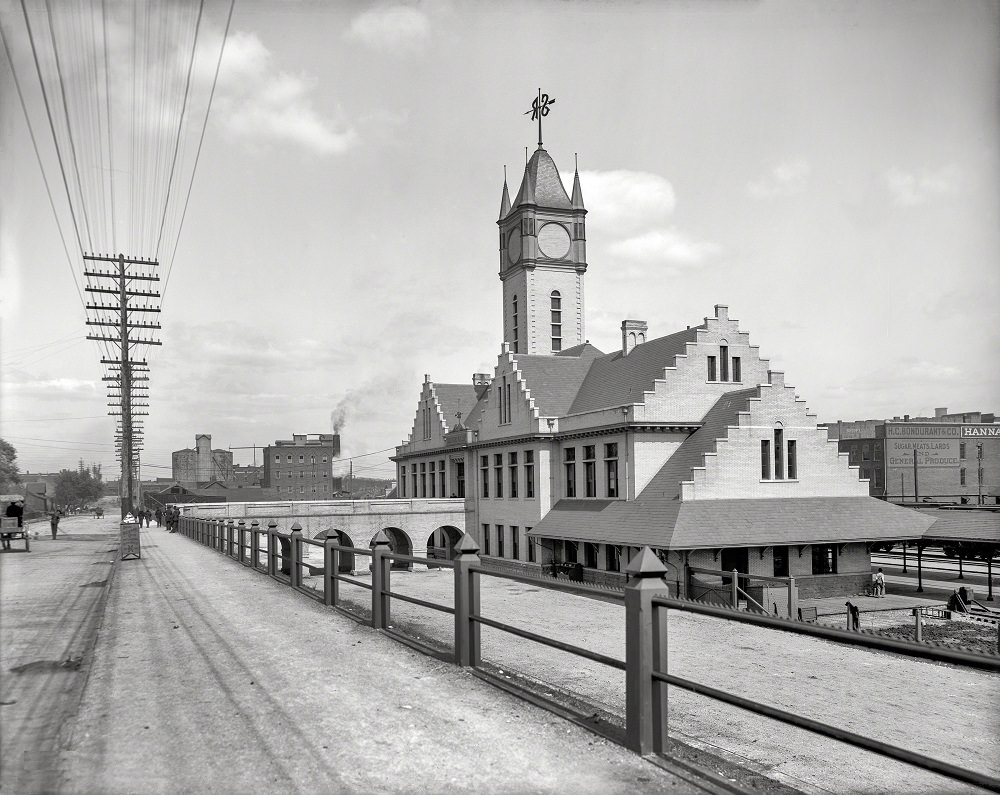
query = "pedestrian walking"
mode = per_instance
[
  {"x": 879, "y": 584},
  {"x": 54, "y": 524},
  {"x": 159, "y": 516}
]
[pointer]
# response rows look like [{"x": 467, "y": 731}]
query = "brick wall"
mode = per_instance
[{"x": 734, "y": 470}]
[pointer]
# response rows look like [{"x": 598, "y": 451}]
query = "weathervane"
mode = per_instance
[{"x": 539, "y": 108}]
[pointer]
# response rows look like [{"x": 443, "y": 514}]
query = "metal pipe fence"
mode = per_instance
[{"x": 646, "y": 602}]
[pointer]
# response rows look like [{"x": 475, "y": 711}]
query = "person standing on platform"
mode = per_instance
[
  {"x": 159, "y": 516},
  {"x": 879, "y": 584},
  {"x": 54, "y": 524}
]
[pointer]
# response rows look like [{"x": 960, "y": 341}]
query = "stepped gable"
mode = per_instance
[
  {"x": 658, "y": 517},
  {"x": 454, "y": 398},
  {"x": 542, "y": 185},
  {"x": 616, "y": 379},
  {"x": 553, "y": 381}
]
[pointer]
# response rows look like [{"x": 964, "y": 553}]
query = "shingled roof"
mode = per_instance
[
  {"x": 454, "y": 398},
  {"x": 712, "y": 524},
  {"x": 616, "y": 379},
  {"x": 554, "y": 381},
  {"x": 542, "y": 184}
]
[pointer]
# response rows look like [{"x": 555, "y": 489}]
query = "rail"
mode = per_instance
[{"x": 646, "y": 603}]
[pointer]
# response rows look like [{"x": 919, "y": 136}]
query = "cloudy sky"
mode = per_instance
[{"x": 828, "y": 170}]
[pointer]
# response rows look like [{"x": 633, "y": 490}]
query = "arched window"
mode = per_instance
[
  {"x": 514, "y": 342},
  {"x": 556, "y": 300}
]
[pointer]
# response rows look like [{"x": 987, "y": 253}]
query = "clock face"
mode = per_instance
[
  {"x": 514, "y": 245},
  {"x": 553, "y": 241}
]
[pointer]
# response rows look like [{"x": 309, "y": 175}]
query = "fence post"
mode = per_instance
[
  {"x": 217, "y": 528},
  {"x": 736, "y": 589},
  {"x": 241, "y": 530},
  {"x": 793, "y": 598},
  {"x": 380, "y": 579},
  {"x": 645, "y": 652},
  {"x": 230, "y": 537},
  {"x": 255, "y": 543},
  {"x": 272, "y": 547},
  {"x": 467, "y": 630},
  {"x": 916, "y": 622},
  {"x": 331, "y": 568},
  {"x": 295, "y": 558}
]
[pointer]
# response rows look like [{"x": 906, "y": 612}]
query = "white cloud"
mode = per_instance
[
  {"x": 908, "y": 189},
  {"x": 396, "y": 29},
  {"x": 256, "y": 101},
  {"x": 623, "y": 202},
  {"x": 785, "y": 179},
  {"x": 664, "y": 245}
]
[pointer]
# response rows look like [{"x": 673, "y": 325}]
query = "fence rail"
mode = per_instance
[{"x": 646, "y": 602}]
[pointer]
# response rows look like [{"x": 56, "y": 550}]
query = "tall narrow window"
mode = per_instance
[
  {"x": 961, "y": 450},
  {"x": 402, "y": 481},
  {"x": 556, "y": 321},
  {"x": 612, "y": 558},
  {"x": 413, "y": 480},
  {"x": 506, "y": 402},
  {"x": 499, "y": 540},
  {"x": 529, "y": 474},
  {"x": 611, "y": 468},
  {"x": 711, "y": 368},
  {"x": 724, "y": 361},
  {"x": 569, "y": 462},
  {"x": 514, "y": 324},
  {"x": 515, "y": 542},
  {"x": 484, "y": 474},
  {"x": 961, "y": 476},
  {"x": 486, "y": 539},
  {"x": 498, "y": 471},
  {"x": 512, "y": 472},
  {"x": 589, "y": 471},
  {"x": 531, "y": 545},
  {"x": 590, "y": 555},
  {"x": 765, "y": 459},
  {"x": 500, "y": 411},
  {"x": 779, "y": 455},
  {"x": 430, "y": 469},
  {"x": 460, "y": 479},
  {"x": 737, "y": 374},
  {"x": 423, "y": 479},
  {"x": 442, "y": 479},
  {"x": 793, "y": 462}
]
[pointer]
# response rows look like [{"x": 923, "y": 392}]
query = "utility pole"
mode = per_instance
[{"x": 127, "y": 377}]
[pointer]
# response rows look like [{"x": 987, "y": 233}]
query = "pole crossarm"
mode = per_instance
[
  {"x": 128, "y": 293},
  {"x": 127, "y": 325},
  {"x": 120, "y": 259}
]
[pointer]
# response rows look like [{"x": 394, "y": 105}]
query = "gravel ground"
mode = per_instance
[{"x": 944, "y": 711}]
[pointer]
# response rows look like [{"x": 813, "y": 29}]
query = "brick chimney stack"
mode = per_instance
[{"x": 633, "y": 333}]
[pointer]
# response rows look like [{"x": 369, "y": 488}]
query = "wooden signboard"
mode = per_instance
[{"x": 129, "y": 547}]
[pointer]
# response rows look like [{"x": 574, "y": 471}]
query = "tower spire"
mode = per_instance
[
  {"x": 577, "y": 200},
  {"x": 505, "y": 199}
]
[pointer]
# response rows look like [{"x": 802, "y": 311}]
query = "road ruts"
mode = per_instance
[{"x": 51, "y": 604}]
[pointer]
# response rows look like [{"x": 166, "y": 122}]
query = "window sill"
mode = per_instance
[{"x": 775, "y": 480}]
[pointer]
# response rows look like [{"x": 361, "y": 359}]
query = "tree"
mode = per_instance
[
  {"x": 10, "y": 476},
  {"x": 78, "y": 488}
]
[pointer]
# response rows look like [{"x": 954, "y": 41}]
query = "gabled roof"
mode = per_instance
[
  {"x": 555, "y": 380},
  {"x": 963, "y": 524},
  {"x": 542, "y": 184},
  {"x": 616, "y": 379},
  {"x": 454, "y": 398}
]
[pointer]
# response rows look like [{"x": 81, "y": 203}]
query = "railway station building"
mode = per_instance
[{"x": 683, "y": 440}]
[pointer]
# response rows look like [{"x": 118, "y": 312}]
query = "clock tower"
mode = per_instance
[{"x": 543, "y": 258}]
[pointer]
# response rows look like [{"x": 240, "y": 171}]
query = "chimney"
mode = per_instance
[
  {"x": 481, "y": 382},
  {"x": 940, "y": 412},
  {"x": 633, "y": 333},
  {"x": 776, "y": 377},
  {"x": 721, "y": 312}
]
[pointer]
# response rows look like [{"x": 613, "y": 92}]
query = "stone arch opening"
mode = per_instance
[
  {"x": 339, "y": 536},
  {"x": 399, "y": 542},
  {"x": 441, "y": 543}
]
